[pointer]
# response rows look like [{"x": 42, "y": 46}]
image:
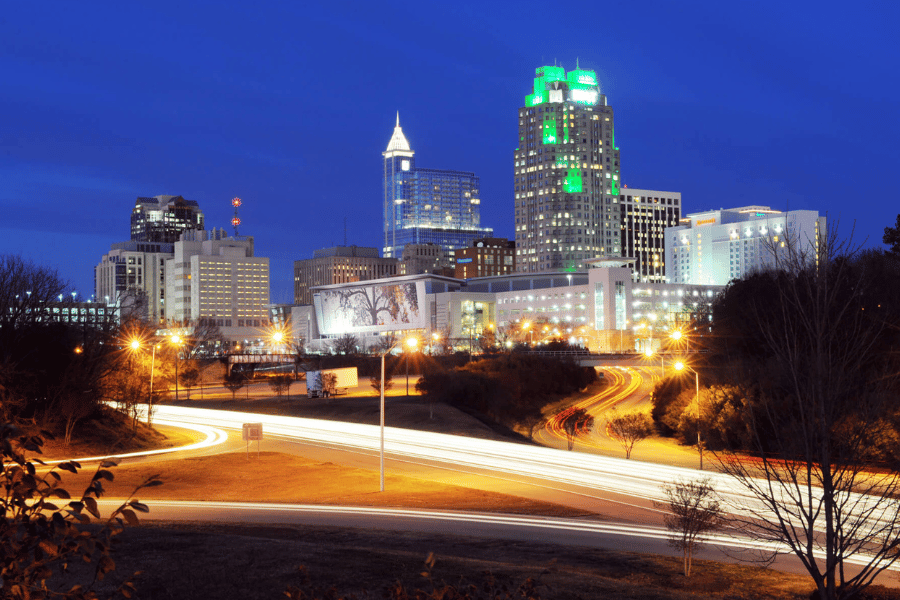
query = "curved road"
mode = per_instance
[{"x": 622, "y": 492}]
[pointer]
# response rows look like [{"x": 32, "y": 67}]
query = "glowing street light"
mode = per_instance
[
  {"x": 176, "y": 341},
  {"x": 410, "y": 342},
  {"x": 680, "y": 366}
]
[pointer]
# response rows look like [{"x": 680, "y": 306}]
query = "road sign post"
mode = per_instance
[{"x": 252, "y": 432}]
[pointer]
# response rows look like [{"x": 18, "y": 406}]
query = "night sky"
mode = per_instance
[{"x": 289, "y": 106}]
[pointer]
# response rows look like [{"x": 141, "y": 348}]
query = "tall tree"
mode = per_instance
[
  {"x": 825, "y": 380},
  {"x": 892, "y": 237}
]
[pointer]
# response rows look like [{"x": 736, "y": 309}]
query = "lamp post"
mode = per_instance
[
  {"x": 411, "y": 342},
  {"x": 176, "y": 341},
  {"x": 135, "y": 346},
  {"x": 679, "y": 366}
]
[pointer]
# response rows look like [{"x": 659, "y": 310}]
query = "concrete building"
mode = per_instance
[
  {"x": 216, "y": 279},
  {"x": 566, "y": 174},
  {"x": 427, "y": 206},
  {"x": 339, "y": 264},
  {"x": 426, "y": 258},
  {"x": 601, "y": 308},
  {"x": 162, "y": 219},
  {"x": 717, "y": 246},
  {"x": 486, "y": 257},
  {"x": 132, "y": 278},
  {"x": 645, "y": 215}
]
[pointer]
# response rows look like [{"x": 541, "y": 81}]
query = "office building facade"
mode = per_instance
[
  {"x": 131, "y": 278},
  {"x": 427, "y": 206},
  {"x": 162, "y": 219},
  {"x": 215, "y": 279},
  {"x": 486, "y": 257},
  {"x": 645, "y": 215},
  {"x": 339, "y": 264},
  {"x": 717, "y": 246},
  {"x": 566, "y": 173}
]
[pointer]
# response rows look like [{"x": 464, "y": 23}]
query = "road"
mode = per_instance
[{"x": 622, "y": 492}]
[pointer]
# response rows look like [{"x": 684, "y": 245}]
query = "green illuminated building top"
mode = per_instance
[{"x": 566, "y": 173}]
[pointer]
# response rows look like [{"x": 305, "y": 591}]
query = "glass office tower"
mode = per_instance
[{"x": 423, "y": 206}]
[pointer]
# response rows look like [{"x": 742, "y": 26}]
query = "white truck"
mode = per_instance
[{"x": 330, "y": 382}]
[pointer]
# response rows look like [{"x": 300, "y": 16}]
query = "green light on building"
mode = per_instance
[
  {"x": 573, "y": 182},
  {"x": 535, "y": 98},
  {"x": 582, "y": 77},
  {"x": 550, "y": 130}
]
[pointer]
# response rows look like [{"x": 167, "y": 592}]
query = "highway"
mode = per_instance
[{"x": 621, "y": 492}]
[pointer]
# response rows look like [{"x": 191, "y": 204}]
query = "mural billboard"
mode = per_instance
[{"x": 372, "y": 308}]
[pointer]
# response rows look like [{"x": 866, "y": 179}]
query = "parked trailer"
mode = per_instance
[{"x": 320, "y": 383}]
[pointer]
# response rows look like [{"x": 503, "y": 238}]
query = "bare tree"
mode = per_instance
[
  {"x": 280, "y": 384},
  {"x": 234, "y": 382},
  {"x": 695, "y": 511},
  {"x": 824, "y": 385},
  {"x": 575, "y": 421},
  {"x": 629, "y": 429},
  {"x": 388, "y": 382},
  {"x": 346, "y": 344}
]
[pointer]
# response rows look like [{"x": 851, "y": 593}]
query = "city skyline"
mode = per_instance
[{"x": 287, "y": 108}]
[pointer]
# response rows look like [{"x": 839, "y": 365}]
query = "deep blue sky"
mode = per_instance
[{"x": 289, "y": 106}]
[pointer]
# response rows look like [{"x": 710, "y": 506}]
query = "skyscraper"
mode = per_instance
[
  {"x": 566, "y": 173},
  {"x": 163, "y": 218},
  {"x": 424, "y": 206}
]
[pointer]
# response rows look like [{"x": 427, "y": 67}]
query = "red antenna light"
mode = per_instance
[{"x": 236, "y": 202}]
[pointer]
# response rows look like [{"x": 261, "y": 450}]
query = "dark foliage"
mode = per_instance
[{"x": 509, "y": 388}]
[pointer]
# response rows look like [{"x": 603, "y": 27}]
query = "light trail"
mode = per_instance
[
  {"x": 267, "y": 512},
  {"x": 213, "y": 437}
]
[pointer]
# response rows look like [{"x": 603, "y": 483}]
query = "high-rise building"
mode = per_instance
[
  {"x": 566, "y": 173},
  {"x": 340, "y": 264},
  {"x": 427, "y": 206},
  {"x": 487, "y": 257},
  {"x": 717, "y": 246},
  {"x": 163, "y": 218},
  {"x": 132, "y": 277},
  {"x": 645, "y": 215},
  {"x": 215, "y": 279}
]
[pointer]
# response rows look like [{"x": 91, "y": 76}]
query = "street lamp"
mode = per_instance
[
  {"x": 176, "y": 341},
  {"x": 679, "y": 366},
  {"x": 136, "y": 345},
  {"x": 411, "y": 342}
]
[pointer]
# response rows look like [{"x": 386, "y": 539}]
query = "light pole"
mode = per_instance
[
  {"x": 411, "y": 342},
  {"x": 681, "y": 366},
  {"x": 176, "y": 341},
  {"x": 135, "y": 346}
]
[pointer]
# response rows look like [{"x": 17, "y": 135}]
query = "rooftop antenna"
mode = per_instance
[{"x": 236, "y": 220}]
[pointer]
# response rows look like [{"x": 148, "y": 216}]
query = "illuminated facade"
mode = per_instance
[
  {"x": 645, "y": 215},
  {"x": 132, "y": 278},
  {"x": 566, "y": 174},
  {"x": 215, "y": 278},
  {"x": 485, "y": 258},
  {"x": 427, "y": 206},
  {"x": 163, "y": 218},
  {"x": 718, "y": 246}
]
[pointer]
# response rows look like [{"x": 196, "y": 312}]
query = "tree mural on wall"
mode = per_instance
[{"x": 374, "y": 305}]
